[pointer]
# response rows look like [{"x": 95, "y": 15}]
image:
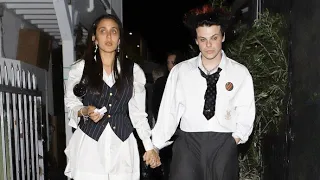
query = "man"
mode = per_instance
[
  {"x": 173, "y": 58},
  {"x": 212, "y": 97}
]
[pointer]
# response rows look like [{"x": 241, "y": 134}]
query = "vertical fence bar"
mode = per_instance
[
  {"x": 43, "y": 123},
  {"x": 8, "y": 121},
  {"x": 21, "y": 127},
  {"x": 2, "y": 120},
  {"x": 31, "y": 121},
  {"x": 36, "y": 109},
  {"x": 15, "y": 125},
  {"x": 26, "y": 125}
]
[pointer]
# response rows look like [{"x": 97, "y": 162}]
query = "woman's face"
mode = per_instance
[{"x": 107, "y": 35}]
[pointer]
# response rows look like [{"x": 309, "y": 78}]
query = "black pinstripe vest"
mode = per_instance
[{"x": 117, "y": 115}]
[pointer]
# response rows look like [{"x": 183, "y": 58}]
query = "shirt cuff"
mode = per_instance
[
  {"x": 168, "y": 143},
  {"x": 147, "y": 144},
  {"x": 237, "y": 135},
  {"x": 73, "y": 116}
]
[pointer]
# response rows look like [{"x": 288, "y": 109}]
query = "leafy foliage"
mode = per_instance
[{"x": 262, "y": 49}]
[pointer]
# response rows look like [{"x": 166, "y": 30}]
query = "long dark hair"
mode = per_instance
[{"x": 94, "y": 68}]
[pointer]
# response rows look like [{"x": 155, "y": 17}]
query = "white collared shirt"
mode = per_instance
[
  {"x": 136, "y": 104},
  {"x": 183, "y": 101}
]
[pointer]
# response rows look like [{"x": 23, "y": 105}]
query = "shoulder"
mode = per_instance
[
  {"x": 137, "y": 68},
  {"x": 238, "y": 67},
  {"x": 76, "y": 69},
  {"x": 138, "y": 74},
  {"x": 239, "y": 72},
  {"x": 79, "y": 64},
  {"x": 184, "y": 66}
]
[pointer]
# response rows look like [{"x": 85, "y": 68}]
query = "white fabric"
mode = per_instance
[
  {"x": 109, "y": 158},
  {"x": 183, "y": 101}
]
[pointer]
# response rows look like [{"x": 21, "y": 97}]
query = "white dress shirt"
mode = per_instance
[
  {"x": 183, "y": 101},
  {"x": 109, "y": 156}
]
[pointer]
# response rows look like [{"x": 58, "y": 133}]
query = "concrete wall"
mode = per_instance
[{"x": 11, "y": 24}]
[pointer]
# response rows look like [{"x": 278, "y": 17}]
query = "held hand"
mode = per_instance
[
  {"x": 152, "y": 158},
  {"x": 94, "y": 116}
]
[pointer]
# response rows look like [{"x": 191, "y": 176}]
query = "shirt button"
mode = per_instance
[
  {"x": 110, "y": 105},
  {"x": 114, "y": 127},
  {"x": 109, "y": 116},
  {"x": 110, "y": 94}
]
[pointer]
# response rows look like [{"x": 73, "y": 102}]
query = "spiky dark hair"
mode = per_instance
[{"x": 207, "y": 15}]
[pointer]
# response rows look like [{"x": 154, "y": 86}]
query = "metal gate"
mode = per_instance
[{"x": 23, "y": 121}]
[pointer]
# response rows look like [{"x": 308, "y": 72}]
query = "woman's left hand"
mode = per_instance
[{"x": 152, "y": 158}]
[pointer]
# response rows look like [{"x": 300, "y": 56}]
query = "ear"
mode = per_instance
[
  {"x": 119, "y": 42},
  {"x": 196, "y": 41},
  {"x": 224, "y": 37}
]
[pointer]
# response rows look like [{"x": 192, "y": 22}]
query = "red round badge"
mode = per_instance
[{"x": 229, "y": 86}]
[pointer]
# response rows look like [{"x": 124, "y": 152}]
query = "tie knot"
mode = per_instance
[{"x": 212, "y": 78}]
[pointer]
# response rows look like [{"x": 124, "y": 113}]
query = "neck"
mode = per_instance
[
  {"x": 108, "y": 60},
  {"x": 210, "y": 64}
]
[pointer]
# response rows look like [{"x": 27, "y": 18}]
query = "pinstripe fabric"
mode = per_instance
[{"x": 117, "y": 111}]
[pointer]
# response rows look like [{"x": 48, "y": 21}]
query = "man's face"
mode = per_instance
[
  {"x": 209, "y": 39},
  {"x": 171, "y": 61}
]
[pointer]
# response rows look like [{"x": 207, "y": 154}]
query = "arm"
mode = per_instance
[
  {"x": 73, "y": 103},
  {"x": 245, "y": 109},
  {"x": 137, "y": 109},
  {"x": 170, "y": 111}
]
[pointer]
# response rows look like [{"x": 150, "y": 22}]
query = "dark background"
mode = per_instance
[
  {"x": 293, "y": 154},
  {"x": 160, "y": 23}
]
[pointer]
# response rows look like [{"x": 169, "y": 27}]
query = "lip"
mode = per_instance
[
  {"x": 108, "y": 43},
  {"x": 210, "y": 51}
]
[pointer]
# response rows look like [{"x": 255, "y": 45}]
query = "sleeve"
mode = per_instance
[
  {"x": 170, "y": 111},
  {"x": 137, "y": 109},
  {"x": 245, "y": 109},
  {"x": 72, "y": 102}
]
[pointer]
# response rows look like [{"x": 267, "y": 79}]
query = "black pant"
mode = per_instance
[{"x": 204, "y": 156}]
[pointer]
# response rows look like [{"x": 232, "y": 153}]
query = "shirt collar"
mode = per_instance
[
  {"x": 223, "y": 64},
  {"x": 110, "y": 77}
]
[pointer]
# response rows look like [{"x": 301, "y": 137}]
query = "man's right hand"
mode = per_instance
[{"x": 152, "y": 158}]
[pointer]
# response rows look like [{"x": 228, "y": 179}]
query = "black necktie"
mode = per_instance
[{"x": 211, "y": 93}]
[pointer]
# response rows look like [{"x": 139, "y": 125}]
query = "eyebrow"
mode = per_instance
[
  {"x": 211, "y": 36},
  {"x": 111, "y": 27}
]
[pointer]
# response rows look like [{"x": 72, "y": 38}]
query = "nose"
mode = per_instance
[
  {"x": 108, "y": 35},
  {"x": 209, "y": 44}
]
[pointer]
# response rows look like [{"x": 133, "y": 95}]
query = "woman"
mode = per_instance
[{"x": 103, "y": 146}]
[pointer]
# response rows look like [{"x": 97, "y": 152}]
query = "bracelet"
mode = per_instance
[{"x": 84, "y": 117}]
